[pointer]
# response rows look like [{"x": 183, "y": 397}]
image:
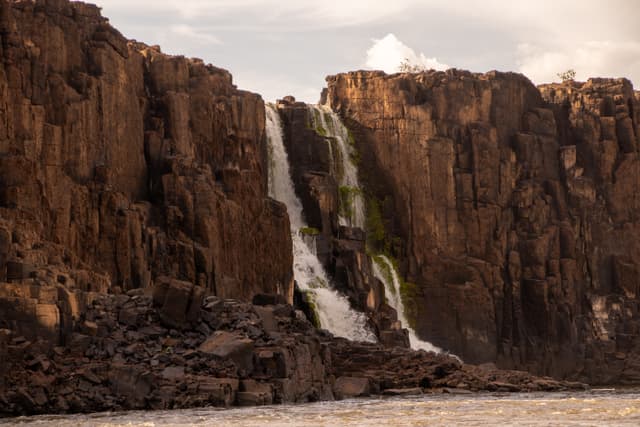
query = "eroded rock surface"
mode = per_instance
[
  {"x": 120, "y": 165},
  {"x": 228, "y": 356},
  {"x": 516, "y": 209}
]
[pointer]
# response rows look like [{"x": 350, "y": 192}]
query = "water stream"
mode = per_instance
[
  {"x": 333, "y": 309},
  {"x": 610, "y": 408},
  {"x": 386, "y": 272},
  {"x": 344, "y": 168}
]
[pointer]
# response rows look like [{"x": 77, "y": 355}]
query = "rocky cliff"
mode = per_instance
[
  {"x": 315, "y": 163},
  {"x": 119, "y": 164},
  {"x": 135, "y": 228},
  {"x": 513, "y": 211}
]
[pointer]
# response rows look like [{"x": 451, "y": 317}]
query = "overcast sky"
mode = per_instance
[{"x": 286, "y": 47}]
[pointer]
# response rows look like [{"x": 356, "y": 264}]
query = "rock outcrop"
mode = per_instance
[
  {"x": 314, "y": 158},
  {"x": 120, "y": 165},
  {"x": 512, "y": 209},
  {"x": 232, "y": 353}
]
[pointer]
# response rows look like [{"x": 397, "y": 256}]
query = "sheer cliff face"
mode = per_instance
[
  {"x": 517, "y": 209},
  {"x": 119, "y": 164}
]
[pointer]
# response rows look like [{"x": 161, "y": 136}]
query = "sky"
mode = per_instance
[{"x": 284, "y": 47}]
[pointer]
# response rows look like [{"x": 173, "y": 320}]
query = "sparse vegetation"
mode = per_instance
[
  {"x": 406, "y": 66},
  {"x": 374, "y": 224},
  {"x": 309, "y": 231},
  {"x": 347, "y": 195},
  {"x": 410, "y": 294},
  {"x": 568, "y": 75},
  {"x": 315, "y": 319}
]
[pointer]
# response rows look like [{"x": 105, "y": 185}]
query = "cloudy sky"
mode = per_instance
[{"x": 281, "y": 47}]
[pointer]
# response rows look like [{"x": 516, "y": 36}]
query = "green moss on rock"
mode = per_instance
[{"x": 309, "y": 231}]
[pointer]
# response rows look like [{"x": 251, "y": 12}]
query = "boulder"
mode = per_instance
[
  {"x": 346, "y": 387},
  {"x": 232, "y": 346},
  {"x": 178, "y": 302}
]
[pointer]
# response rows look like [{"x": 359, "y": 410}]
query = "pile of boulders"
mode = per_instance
[{"x": 175, "y": 347}]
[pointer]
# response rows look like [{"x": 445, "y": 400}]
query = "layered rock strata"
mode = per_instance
[
  {"x": 120, "y": 164},
  {"x": 513, "y": 211}
]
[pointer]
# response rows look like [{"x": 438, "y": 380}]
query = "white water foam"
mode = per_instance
[
  {"x": 386, "y": 272},
  {"x": 333, "y": 309}
]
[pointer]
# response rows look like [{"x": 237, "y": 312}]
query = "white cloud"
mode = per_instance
[
  {"x": 388, "y": 53},
  {"x": 192, "y": 33},
  {"x": 589, "y": 59}
]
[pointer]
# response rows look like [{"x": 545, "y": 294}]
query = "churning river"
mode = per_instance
[{"x": 595, "y": 408}]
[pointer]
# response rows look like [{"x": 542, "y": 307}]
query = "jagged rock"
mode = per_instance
[
  {"x": 121, "y": 165},
  {"x": 131, "y": 382},
  {"x": 151, "y": 367},
  {"x": 230, "y": 346},
  {"x": 512, "y": 210},
  {"x": 179, "y": 302}
]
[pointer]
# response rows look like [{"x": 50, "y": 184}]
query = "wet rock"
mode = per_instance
[
  {"x": 524, "y": 210},
  {"x": 414, "y": 391},
  {"x": 247, "y": 398},
  {"x": 450, "y": 390},
  {"x": 131, "y": 382},
  {"x": 269, "y": 299},
  {"x": 346, "y": 387}
]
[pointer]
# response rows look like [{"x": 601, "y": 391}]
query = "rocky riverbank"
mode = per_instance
[{"x": 177, "y": 348}]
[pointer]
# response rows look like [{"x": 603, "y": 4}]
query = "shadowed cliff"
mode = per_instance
[
  {"x": 120, "y": 164},
  {"x": 513, "y": 210}
]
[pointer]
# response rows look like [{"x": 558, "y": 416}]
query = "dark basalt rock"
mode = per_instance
[
  {"x": 242, "y": 362},
  {"x": 513, "y": 209}
]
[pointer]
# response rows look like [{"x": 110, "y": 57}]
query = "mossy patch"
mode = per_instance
[
  {"x": 313, "y": 310},
  {"x": 411, "y": 295},
  {"x": 309, "y": 231},
  {"x": 373, "y": 224},
  {"x": 347, "y": 196}
]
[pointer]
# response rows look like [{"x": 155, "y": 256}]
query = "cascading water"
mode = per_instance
[
  {"x": 333, "y": 310},
  {"x": 328, "y": 123},
  {"x": 386, "y": 272}
]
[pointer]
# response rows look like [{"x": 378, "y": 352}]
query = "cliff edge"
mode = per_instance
[
  {"x": 120, "y": 164},
  {"x": 513, "y": 211}
]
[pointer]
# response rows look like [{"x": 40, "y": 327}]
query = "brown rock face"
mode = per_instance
[
  {"x": 341, "y": 249},
  {"x": 517, "y": 209},
  {"x": 119, "y": 164}
]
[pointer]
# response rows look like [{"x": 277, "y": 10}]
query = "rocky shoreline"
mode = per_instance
[{"x": 160, "y": 350}]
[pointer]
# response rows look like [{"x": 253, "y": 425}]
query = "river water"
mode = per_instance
[{"x": 595, "y": 408}]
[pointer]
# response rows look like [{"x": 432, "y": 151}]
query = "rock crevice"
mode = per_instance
[{"x": 516, "y": 209}]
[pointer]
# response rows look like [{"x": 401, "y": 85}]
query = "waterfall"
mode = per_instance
[
  {"x": 344, "y": 168},
  {"x": 333, "y": 310},
  {"x": 385, "y": 271},
  {"x": 344, "y": 158}
]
